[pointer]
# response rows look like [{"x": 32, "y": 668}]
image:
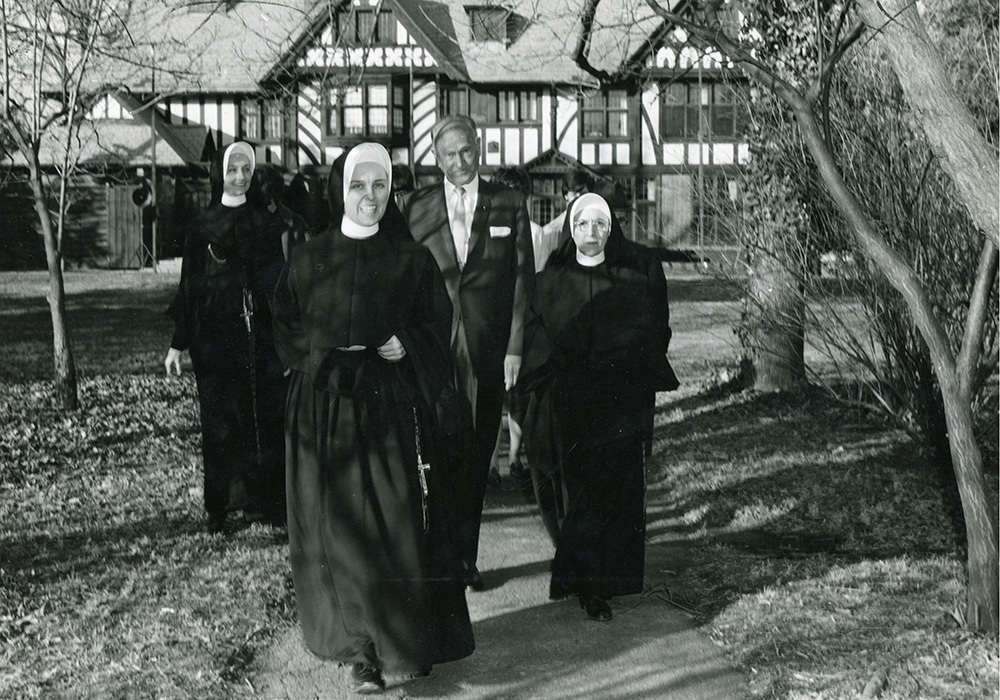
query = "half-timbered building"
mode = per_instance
[{"x": 304, "y": 80}]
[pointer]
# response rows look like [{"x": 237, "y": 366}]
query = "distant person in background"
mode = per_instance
[
  {"x": 306, "y": 196},
  {"x": 402, "y": 182},
  {"x": 575, "y": 183},
  {"x": 222, "y": 315},
  {"x": 517, "y": 178},
  {"x": 296, "y": 196},
  {"x": 596, "y": 339},
  {"x": 293, "y": 227}
]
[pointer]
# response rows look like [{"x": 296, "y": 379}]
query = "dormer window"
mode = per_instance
[
  {"x": 364, "y": 26},
  {"x": 489, "y": 24}
]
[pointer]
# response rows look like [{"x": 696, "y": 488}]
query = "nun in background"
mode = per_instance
[
  {"x": 363, "y": 319},
  {"x": 596, "y": 340},
  {"x": 222, "y": 314}
]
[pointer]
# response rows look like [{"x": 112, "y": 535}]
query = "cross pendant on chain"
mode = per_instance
[{"x": 247, "y": 314}]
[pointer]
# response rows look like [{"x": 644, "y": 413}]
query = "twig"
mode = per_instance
[{"x": 875, "y": 685}]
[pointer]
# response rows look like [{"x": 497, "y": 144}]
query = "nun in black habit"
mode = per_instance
[
  {"x": 363, "y": 319},
  {"x": 222, "y": 314},
  {"x": 596, "y": 340}
]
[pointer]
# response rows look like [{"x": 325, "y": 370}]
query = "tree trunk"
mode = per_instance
[
  {"x": 775, "y": 318},
  {"x": 981, "y": 529},
  {"x": 63, "y": 365},
  {"x": 972, "y": 165},
  {"x": 983, "y": 592},
  {"x": 963, "y": 152}
]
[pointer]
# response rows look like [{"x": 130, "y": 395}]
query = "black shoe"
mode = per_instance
[
  {"x": 493, "y": 478},
  {"x": 597, "y": 607},
  {"x": 366, "y": 679},
  {"x": 473, "y": 579}
]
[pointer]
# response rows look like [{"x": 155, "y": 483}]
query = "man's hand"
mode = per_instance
[
  {"x": 511, "y": 368},
  {"x": 392, "y": 351},
  {"x": 173, "y": 361}
]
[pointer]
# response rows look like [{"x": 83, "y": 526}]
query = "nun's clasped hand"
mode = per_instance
[{"x": 392, "y": 351}]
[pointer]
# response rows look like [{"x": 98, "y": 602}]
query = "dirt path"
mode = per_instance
[{"x": 528, "y": 647}]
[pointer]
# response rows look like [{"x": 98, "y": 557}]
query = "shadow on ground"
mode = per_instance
[{"x": 528, "y": 647}]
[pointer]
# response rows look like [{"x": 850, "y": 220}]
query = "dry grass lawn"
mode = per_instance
[{"x": 818, "y": 549}]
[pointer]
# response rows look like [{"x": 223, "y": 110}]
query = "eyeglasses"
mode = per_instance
[{"x": 598, "y": 225}]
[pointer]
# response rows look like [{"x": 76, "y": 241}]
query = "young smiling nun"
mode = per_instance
[
  {"x": 596, "y": 342},
  {"x": 222, "y": 315},
  {"x": 363, "y": 319}
]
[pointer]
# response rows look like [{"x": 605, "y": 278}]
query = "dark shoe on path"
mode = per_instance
[
  {"x": 597, "y": 607},
  {"x": 473, "y": 579},
  {"x": 366, "y": 679}
]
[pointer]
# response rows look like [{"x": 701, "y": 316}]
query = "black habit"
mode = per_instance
[
  {"x": 596, "y": 340},
  {"x": 222, "y": 314},
  {"x": 374, "y": 581}
]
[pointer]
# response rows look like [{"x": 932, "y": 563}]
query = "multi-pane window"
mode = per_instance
[
  {"x": 713, "y": 110},
  {"x": 542, "y": 210},
  {"x": 605, "y": 114},
  {"x": 488, "y": 23},
  {"x": 399, "y": 123},
  {"x": 518, "y": 106},
  {"x": 454, "y": 100},
  {"x": 358, "y": 110},
  {"x": 505, "y": 106},
  {"x": 361, "y": 26},
  {"x": 261, "y": 119}
]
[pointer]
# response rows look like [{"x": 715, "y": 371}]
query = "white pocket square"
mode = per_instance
[{"x": 499, "y": 231}]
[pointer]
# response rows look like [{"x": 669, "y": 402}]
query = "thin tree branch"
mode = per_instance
[{"x": 975, "y": 323}]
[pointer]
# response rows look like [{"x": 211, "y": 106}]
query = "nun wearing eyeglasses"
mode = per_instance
[
  {"x": 363, "y": 321},
  {"x": 596, "y": 354},
  {"x": 222, "y": 315}
]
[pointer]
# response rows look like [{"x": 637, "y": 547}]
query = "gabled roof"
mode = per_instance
[
  {"x": 431, "y": 25},
  {"x": 542, "y": 49},
  {"x": 204, "y": 47},
  {"x": 201, "y": 46},
  {"x": 130, "y": 144},
  {"x": 190, "y": 143},
  {"x": 555, "y": 161},
  {"x": 121, "y": 143}
]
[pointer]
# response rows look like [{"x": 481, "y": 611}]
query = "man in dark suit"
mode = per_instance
[{"x": 480, "y": 235}]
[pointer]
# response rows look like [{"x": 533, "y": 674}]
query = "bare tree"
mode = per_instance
[
  {"x": 46, "y": 48},
  {"x": 59, "y": 58},
  {"x": 938, "y": 106}
]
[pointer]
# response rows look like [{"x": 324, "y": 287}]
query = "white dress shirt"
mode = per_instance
[{"x": 451, "y": 201}]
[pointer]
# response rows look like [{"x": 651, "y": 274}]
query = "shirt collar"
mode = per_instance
[{"x": 471, "y": 187}]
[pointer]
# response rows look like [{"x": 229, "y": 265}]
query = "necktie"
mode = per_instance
[{"x": 461, "y": 227}]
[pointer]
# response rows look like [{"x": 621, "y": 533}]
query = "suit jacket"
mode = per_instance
[{"x": 491, "y": 292}]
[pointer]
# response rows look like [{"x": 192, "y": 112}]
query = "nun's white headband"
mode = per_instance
[
  {"x": 589, "y": 201},
  {"x": 239, "y": 147},
  {"x": 367, "y": 153}
]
